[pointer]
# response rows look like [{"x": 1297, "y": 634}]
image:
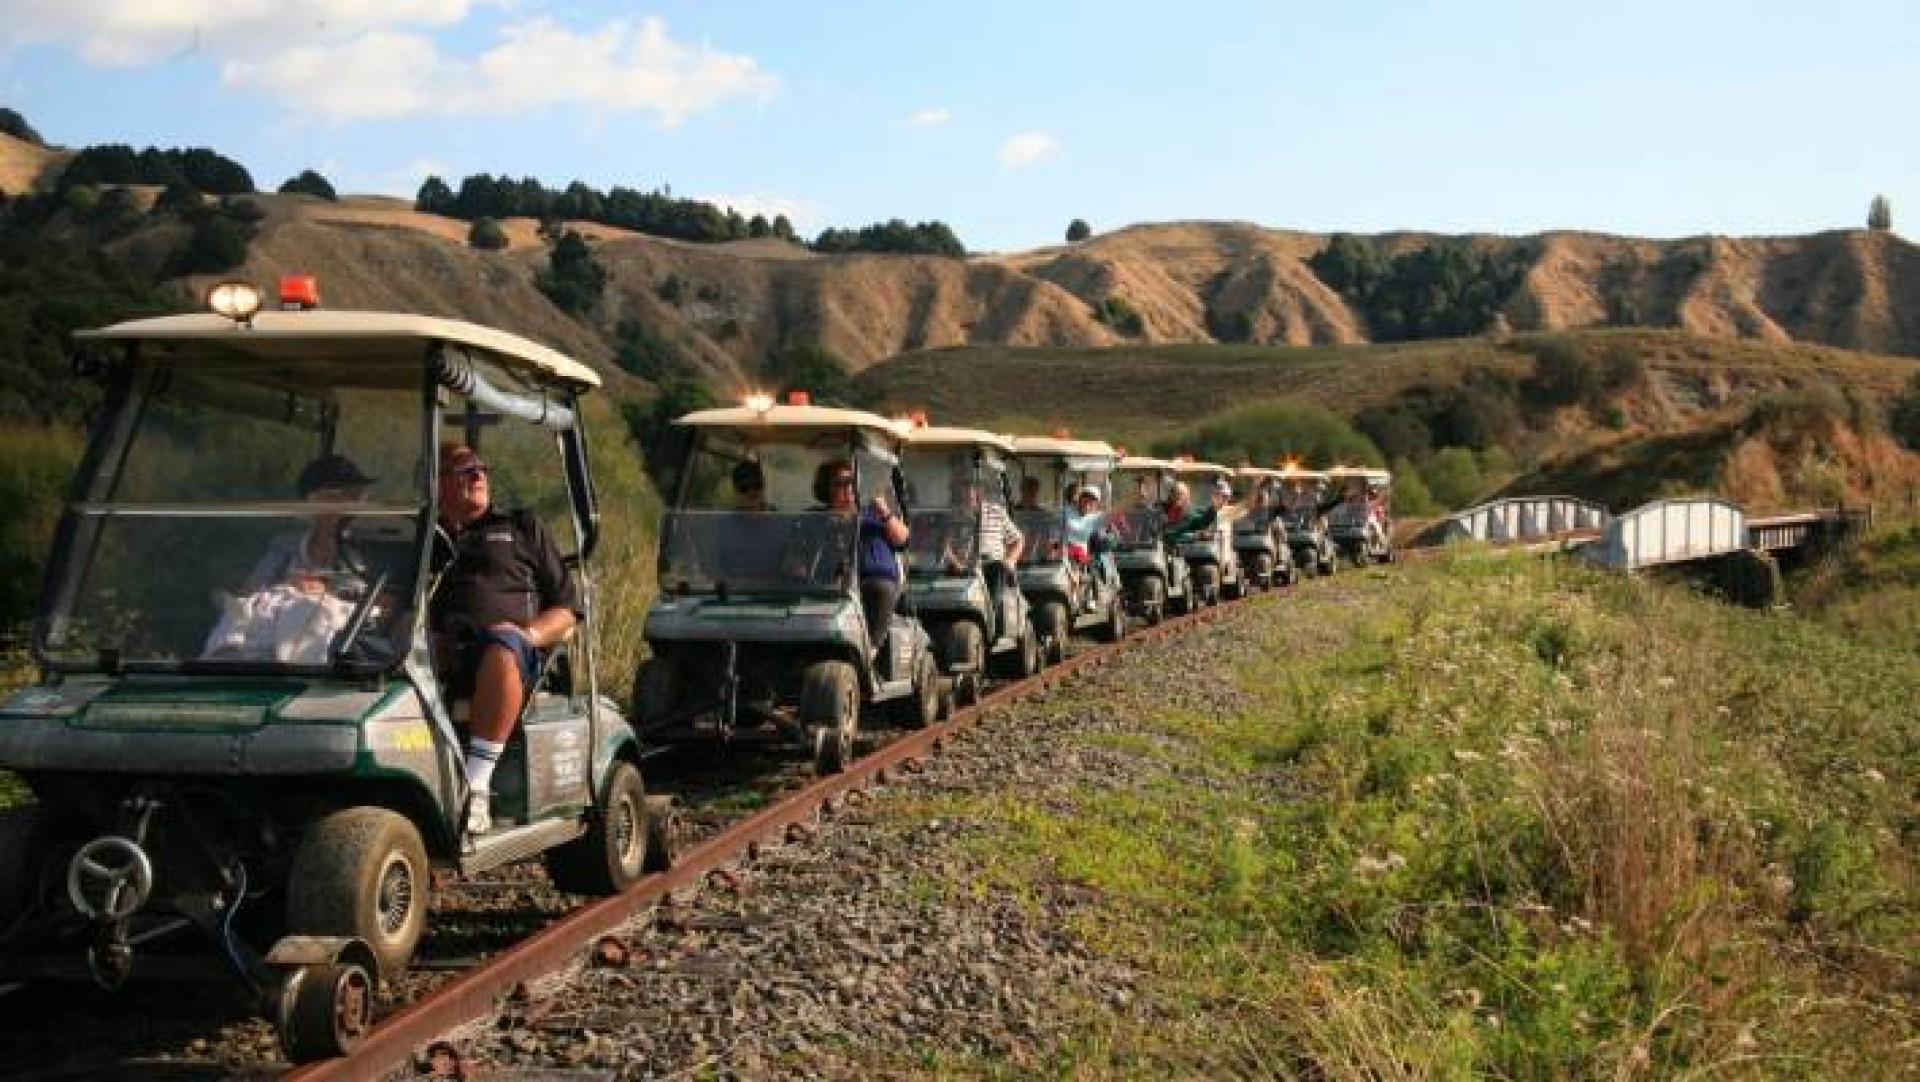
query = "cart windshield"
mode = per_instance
[
  {"x": 944, "y": 541},
  {"x": 247, "y": 514},
  {"x": 771, "y": 517}
]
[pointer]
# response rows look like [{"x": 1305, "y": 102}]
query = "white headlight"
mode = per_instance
[
  {"x": 759, "y": 403},
  {"x": 237, "y": 301}
]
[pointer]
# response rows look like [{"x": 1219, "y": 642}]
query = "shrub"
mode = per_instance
[
  {"x": 35, "y": 463},
  {"x": 1115, "y": 312},
  {"x": 574, "y": 278},
  {"x": 1397, "y": 428},
  {"x": 487, "y": 235},
  {"x": 1078, "y": 230},
  {"x": 12, "y": 123},
  {"x": 647, "y": 353},
  {"x": 812, "y": 367},
  {"x": 218, "y": 243},
  {"x": 1410, "y": 495},
  {"x": 1565, "y": 374},
  {"x": 309, "y": 183},
  {"x": 1454, "y": 478},
  {"x": 1903, "y": 418},
  {"x": 1264, "y": 432},
  {"x": 1236, "y": 326},
  {"x": 894, "y": 236}
]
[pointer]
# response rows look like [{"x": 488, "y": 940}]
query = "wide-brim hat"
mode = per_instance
[{"x": 332, "y": 471}]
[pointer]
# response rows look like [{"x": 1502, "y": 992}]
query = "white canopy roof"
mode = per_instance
[
  {"x": 280, "y": 335},
  {"x": 937, "y": 436},
  {"x": 783, "y": 421}
]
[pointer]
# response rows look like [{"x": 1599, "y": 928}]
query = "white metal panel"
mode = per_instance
[{"x": 1671, "y": 531}]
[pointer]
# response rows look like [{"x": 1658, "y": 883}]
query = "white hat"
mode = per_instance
[
  {"x": 1222, "y": 488},
  {"x": 1087, "y": 490}
]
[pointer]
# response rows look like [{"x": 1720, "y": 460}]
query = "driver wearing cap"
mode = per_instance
[{"x": 314, "y": 559}]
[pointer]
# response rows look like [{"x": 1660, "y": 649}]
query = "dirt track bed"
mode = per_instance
[
  {"x": 213, "y": 1031},
  {"x": 853, "y": 954}
]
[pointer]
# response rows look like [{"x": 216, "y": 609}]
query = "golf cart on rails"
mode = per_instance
[
  {"x": 759, "y": 634},
  {"x": 269, "y": 758},
  {"x": 1302, "y": 492},
  {"x": 1209, "y": 553},
  {"x": 1154, "y": 576},
  {"x": 1260, "y": 535},
  {"x": 972, "y": 608},
  {"x": 1361, "y": 524},
  {"x": 1068, "y": 589}
]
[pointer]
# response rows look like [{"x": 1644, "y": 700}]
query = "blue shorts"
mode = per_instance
[{"x": 525, "y": 654}]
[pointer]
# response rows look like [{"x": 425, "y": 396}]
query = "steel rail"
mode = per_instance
[{"x": 396, "y": 1040}]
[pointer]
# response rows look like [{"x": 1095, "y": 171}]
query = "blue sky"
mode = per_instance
[{"x": 1007, "y": 119}]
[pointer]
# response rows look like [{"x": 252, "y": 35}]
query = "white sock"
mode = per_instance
[{"x": 482, "y": 757}]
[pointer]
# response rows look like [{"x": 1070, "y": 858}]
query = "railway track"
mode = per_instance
[
  {"x": 503, "y": 932},
  {"x": 405, "y": 1036}
]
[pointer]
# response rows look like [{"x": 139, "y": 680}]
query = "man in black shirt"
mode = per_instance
[{"x": 505, "y": 596}]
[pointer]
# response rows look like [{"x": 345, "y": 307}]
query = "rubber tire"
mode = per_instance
[
  {"x": 1019, "y": 662},
  {"x": 325, "y": 1011},
  {"x": 1260, "y": 571},
  {"x": 922, "y": 708},
  {"x": 830, "y": 713},
  {"x": 653, "y": 691},
  {"x": 335, "y": 884},
  {"x": 1150, "y": 597},
  {"x": 1115, "y": 627},
  {"x": 23, "y": 843},
  {"x": 1051, "y": 624},
  {"x": 612, "y": 854},
  {"x": 956, "y": 643},
  {"x": 1206, "y": 585},
  {"x": 966, "y": 689}
]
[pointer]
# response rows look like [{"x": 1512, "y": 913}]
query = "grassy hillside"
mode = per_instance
[
  {"x": 1493, "y": 819},
  {"x": 1771, "y": 425},
  {"x": 1134, "y": 394}
]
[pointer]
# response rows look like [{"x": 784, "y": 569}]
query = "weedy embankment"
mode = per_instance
[{"x": 1492, "y": 818}]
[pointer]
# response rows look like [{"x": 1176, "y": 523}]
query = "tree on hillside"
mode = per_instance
[
  {"x": 117, "y": 163},
  {"x": 434, "y": 197},
  {"x": 1078, "y": 230},
  {"x": 783, "y": 228},
  {"x": 486, "y": 235},
  {"x": 14, "y": 124},
  {"x": 1880, "y": 214},
  {"x": 1117, "y": 313},
  {"x": 309, "y": 183},
  {"x": 574, "y": 279},
  {"x": 812, "y": 367},
  {"x": 1903, "y": 418},
  {"x": 894, "y": 236}
]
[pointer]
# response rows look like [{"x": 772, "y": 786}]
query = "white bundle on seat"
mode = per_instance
[{"x": 280, "y": 623}]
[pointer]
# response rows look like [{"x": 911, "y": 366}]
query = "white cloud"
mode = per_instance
[
  {"x": 343, "y": 60},
  {"x": 1026, "y": 149},
  {"x": 619, "y": 68},
  {"x": 136, "y": 32},
  {"x": 930, "y": 118},
  {"x": 800, "y": 214}
]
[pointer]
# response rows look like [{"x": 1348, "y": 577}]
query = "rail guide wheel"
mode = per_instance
[{"x": 325, "y": 1010}]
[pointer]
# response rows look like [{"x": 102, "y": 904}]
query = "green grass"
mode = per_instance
[
  {"x": 1872, "y": 592},
  {"x": 1505, "y": 819},
  {"x": 1135, "y": 394}
]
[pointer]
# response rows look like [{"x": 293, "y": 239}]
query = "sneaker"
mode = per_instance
[{"x": 479, "y": 815}]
